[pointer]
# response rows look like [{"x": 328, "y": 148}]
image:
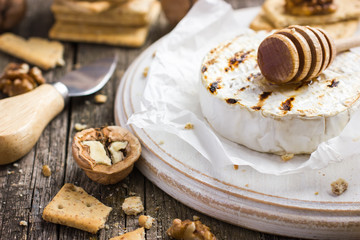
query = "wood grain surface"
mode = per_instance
[{"x": 25, "y": 191}]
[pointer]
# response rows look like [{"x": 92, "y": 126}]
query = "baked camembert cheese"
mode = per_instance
[{"x": 243, "y": 107}]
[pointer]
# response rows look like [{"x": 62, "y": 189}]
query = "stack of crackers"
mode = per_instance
[
  {"x": 113, "y": 22},
  {"x": 340, "y": 24}
]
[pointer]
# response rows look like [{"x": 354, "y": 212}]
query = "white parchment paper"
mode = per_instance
[{"x": 171, "y": 99}]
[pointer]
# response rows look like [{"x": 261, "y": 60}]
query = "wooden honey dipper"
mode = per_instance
[{"x": 299, "y": 53}]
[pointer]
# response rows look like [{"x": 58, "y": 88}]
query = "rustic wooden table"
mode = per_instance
[{"x": 25, "y": 191}]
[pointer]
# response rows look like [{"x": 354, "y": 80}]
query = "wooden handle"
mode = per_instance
[
  {"x": 347, "y": 43},
  {"x": 23, "y": 118}
]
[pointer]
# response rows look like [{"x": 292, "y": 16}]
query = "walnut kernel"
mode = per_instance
[
  {"x": 339, "y": 186},
  {"x": 19, "y": 78},
  {"x": 190, "y": 230}
]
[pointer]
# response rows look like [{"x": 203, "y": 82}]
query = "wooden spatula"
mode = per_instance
[{"x": 299, "y": 53}]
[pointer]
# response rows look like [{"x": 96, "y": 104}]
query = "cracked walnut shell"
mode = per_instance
[{"x": 107, "y": 155}]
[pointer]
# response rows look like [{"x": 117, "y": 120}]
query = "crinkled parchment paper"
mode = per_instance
[{"x": 171, "y": 98}]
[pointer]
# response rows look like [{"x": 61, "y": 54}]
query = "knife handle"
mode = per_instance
[{"x": 24, "y": 117}]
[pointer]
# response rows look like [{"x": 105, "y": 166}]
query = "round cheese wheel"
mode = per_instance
[{"x": 243, "y": 107}]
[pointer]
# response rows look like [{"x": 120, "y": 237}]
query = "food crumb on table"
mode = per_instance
[
  {"x": 100, "y": 98},
  {"x": 46, "y": 171},
  {"x": 339, "y": 186},
  {"x": 23, "y": 223}
]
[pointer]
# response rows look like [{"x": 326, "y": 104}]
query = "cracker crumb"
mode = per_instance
[
  {"x": 100, "y": 98},
  {"x": 23, "y": 223},
  {"x": 161, "y": 142},
  {"x": 80, "y": 127},
  {"x": 132, "y": 193},
  {"x": 146, "y": 221},
  {"x": 246, "y": 185},
  {"x": 287, "y": 157},
  {"x": 46, "y": 171},
  {"x": 107, "y": 227},
  {"x": 20, "y": 171},
  {"x": 196, "y": 218},
  {"x": 236, "y": 167},
  {"x": 244, "y": 170},
  {"x": 77, "y": 65},
  {"x": 132, "y": 206},
  {"x": 316, "y": 193},
  {"x": 339, "y": 186},
  {"x": 16, "y": 165},
  {"x": 189, "y": 126},
  {"x": 145, "y": 72}
]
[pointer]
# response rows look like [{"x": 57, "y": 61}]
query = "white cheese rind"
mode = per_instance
[{"x": 317, "y": 112}]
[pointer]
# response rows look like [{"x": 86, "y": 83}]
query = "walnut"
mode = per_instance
[
  {"x": 189, "y": 230},
  {"x": 339, "y": 186},
  {"x": 19, "y": 78},
  {"x": 12, "y": 11},
  {"x": 107, "y": 155},
  {"x": 309, "y": 7}
]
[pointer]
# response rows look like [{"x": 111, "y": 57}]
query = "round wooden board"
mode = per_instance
[{"x": 298, "y": 205}]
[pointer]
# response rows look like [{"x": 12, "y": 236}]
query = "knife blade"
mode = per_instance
[{"x": 24, "y": 117}]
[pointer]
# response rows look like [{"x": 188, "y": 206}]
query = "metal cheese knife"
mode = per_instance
[{"x": 24, "y": 117}]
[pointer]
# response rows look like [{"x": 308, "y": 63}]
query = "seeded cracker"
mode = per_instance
[{"x": 73, "y": 207}]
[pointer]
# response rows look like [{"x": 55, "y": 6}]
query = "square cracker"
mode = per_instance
[
  {"x": 131, "y": 13},
  {"x": 38, "y": 51},
  {"x": 275, "y": 12},
  {"x": 342, "y": 29},
  {"x": 73, "y": 207},
  {"x": 118, "y": 36},
  {"x": 138, "y": 234}
]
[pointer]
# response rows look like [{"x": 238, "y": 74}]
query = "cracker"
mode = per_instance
[
  {"x": 132, "y": 206},
  {"x": 337, "y": 30},
  {"x": 275, "y": 12},
  {"x": 118, "y": 36},
  {"x": 138, "y": 234},
  {"x": 131, "y": 13},
  {"x": 73, "y": 207},
  {"x": 38, "y": 51}
]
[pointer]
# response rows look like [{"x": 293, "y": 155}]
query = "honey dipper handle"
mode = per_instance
[{"x": 347, "y": 43}]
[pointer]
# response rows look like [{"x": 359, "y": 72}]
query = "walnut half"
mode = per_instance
[
  {"x": 20, "y": 78},
  {"x": 107, "y": 155},
  {"x": 189, "y": 230}
]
